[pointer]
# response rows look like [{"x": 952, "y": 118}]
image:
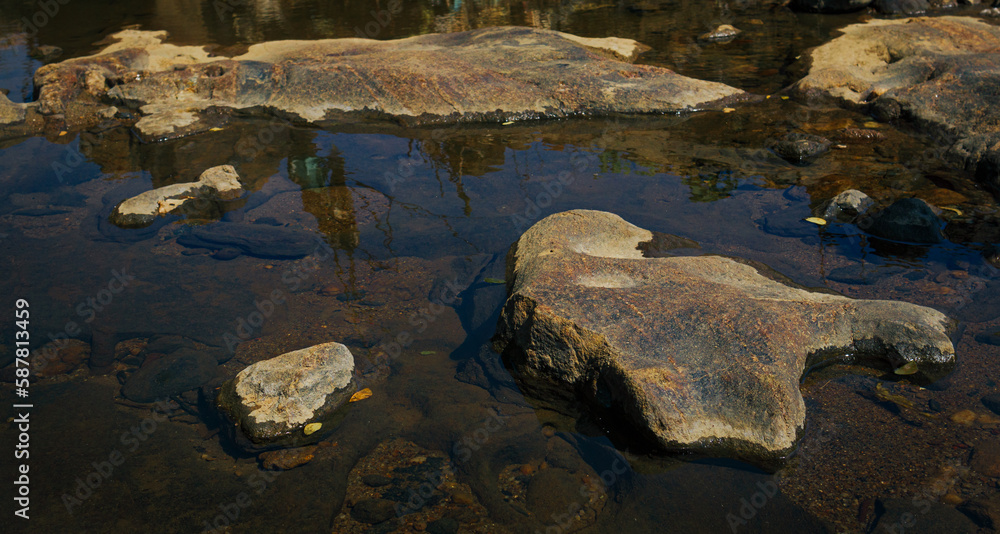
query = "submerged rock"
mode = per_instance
[
  {"x": 216, "y": 184},
  {"x": 910, "y": 220},
  {"x": 176, "y": 373},
  {"x": 800, "y": 147},
  {"x": 723, "y": 33},
  {"x": 261, "y": 240},
  {"x": 490, "y": 74},
  {"x": 847, "y": 206},
  {"x": 937, "y": 73},
  {"x": 272, "y": 401},
  {"x": 700, "y": 352}
]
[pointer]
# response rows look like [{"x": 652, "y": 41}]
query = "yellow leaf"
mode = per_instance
[
  {"x": 784, "y": 98},
  {"x": 215, "y": 129},
  {"x": 508, "y": 122},
  {"x": 816, "y": 220},
  {"x": 728, "y": 110},
  {"x": 62, "y": 133},
  {"x": 312, "y": 427},
  {"x": 361, "y": 395},
  {"x": 956, "y": 210}
]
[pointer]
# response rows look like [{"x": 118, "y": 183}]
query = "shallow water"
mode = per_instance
[{"x": 398, "y": 211}]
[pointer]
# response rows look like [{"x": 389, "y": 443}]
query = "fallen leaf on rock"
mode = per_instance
[{"x": 311, "y": 428}]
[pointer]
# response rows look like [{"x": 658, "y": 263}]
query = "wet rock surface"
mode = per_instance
[
  {"x": 937, "y": 74},
  {"x": 688, "y": 350},
  {"x": 272, "y": 401},
  {"x": 847, "y": 206},
  {"x": 403, "y": 487},
  {"x": 487, "y": 74},
  {"x": 197, "y": 198},
  {"x": 909, "y": 220},
  {"x": 800, "y": 147}
]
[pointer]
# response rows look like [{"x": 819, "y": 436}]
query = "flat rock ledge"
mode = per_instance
[
  {"x": 938, "y": 73},
  {"x": 216, "y": 184},
  {"x": 491, "y": 74},
  {"x": 272, "y": 401},
  {"x": 692, "y": 352}
]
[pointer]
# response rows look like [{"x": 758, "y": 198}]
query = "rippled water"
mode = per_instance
[{"x": 398, "y": 211}]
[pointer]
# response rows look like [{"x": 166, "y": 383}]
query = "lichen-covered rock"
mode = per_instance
[
  {"x": 272, "y": 401},
  {"x": 216, "y": 184},
  {"x": 491, "y": 74},
  {"x": 694, "y": 352}
]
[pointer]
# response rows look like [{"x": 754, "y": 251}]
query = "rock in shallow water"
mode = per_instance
[
  {"x": 937, "y": 73},
  {"x": 272, "y": 401},
  {"x": 700, "y": 352},
  {"x": 196, "y": 198},
  {"x": 487, "y": 74},
  {"x": 910, "y": 220}
]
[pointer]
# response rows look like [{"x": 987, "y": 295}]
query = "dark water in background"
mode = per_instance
[{"x": 399, "y": 210}]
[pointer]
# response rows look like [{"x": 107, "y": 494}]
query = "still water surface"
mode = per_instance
[{"x": 398, "y": 211}]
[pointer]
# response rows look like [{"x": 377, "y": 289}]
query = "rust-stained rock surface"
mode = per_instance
[
  {"x": 697, "y": 351},
  {"x": 483, "y": 75}
]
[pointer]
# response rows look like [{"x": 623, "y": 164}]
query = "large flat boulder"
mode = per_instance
[
  {"x": 491, "y": 74},
  {"x": 940, "y": 74},
  {"x": 693, "y": 352}
]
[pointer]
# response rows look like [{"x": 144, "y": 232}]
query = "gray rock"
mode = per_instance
[
  {"x": 800, "y": 147},
  {"x": 910, "y": 220},
  {"x": 936, "y": 73},
  {"x": 216, "y": 184},
  {"x": 829, "y": 6},
  {"x": 847, "y": 206},
  {"x": 11, "y": 113},
  {"x": 723, "y": 33},
  {"x": 260, "y": 240},
  {"x": 490, "y": 74},
  {"x": 693, "y": 352},
  {"x": 176, "y": 373},
  {"x": 273, "y": 399}
]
